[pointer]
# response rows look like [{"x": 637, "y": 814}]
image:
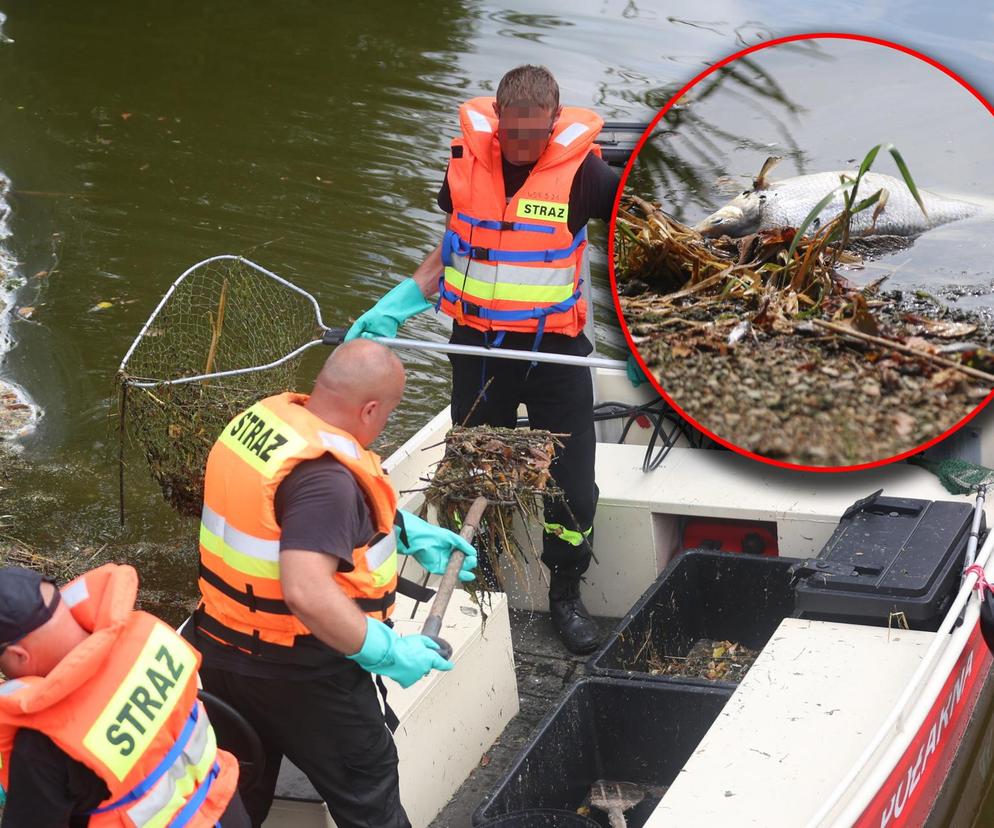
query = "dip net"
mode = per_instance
[
  {"x": 957, "y": 476},
  {"x": 226, "y": 334}
]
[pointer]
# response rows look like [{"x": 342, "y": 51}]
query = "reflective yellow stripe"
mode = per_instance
[
  {"x": 143, "y": 702},
  {"x": 246, "y": 564},
  {"x": 262, "y": 439},
  {"x": 513, "y": 274},
  {"x": 385, "y": 572},
  {"x": 571, "y": 536},
  {"x": 474, "y": 289},
  {"x": 381, "y": 550}
]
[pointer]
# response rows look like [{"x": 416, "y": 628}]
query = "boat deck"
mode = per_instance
[
  {"x": 544, "y": 669},
  {"x": 638, "y": 530},
  {"x": 801, "y": 717}
]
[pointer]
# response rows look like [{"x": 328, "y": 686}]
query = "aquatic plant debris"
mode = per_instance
[
  {"x": 509, "y": 467},
  {"x": 707, "y": 659},
  {"x": 778, "y": 353}
]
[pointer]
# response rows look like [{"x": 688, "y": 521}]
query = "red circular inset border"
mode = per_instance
[{"x": 614, "y": 218}]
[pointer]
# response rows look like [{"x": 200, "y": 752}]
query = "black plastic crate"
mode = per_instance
[
  {"x": 544, "y": 818},
  {"x": 614, "y": 729},
  {"x": 701, "y": 594},
  {"x": 888, "y": 555}
]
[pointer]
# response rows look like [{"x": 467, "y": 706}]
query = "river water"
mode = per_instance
[{"x": 139, "y": 138}]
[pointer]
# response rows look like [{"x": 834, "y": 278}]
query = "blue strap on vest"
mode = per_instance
[
  {"x": 452, "y": 242},
  {"x": 487, "y": 224},
  {"x": 160, "y": 770},
  {"x": 193, "y": 805}
]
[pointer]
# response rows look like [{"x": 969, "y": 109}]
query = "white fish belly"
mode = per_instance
[{"x": 788, "y": 203}]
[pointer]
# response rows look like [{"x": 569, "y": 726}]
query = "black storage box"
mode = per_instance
[
  {"x": 613, "y": 729},
  {"x": 888, "y": 555},
  {"x": 712, "y": 595},
  {"x": 543, "y": 818}
]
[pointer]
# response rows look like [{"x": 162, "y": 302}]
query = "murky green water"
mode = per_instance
[{"x": 310, "y": 136}]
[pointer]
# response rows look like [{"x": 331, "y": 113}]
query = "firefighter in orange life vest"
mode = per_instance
[
  {"x": 523, "y": 179},
  {"x": 298, "y": 552},
  {"x": 99, "y": 719}
]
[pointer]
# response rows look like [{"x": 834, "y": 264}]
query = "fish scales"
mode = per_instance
[{"x": 787, "y": 203}]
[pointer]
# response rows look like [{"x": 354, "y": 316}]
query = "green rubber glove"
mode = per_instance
[
  {"x": 3, "y": 796},
  {"x": 404, "y": 658},
  {"x": 635, "y": 373},
  {"x": 431, "y": 545},
  {"x": 395, "y": 308}
]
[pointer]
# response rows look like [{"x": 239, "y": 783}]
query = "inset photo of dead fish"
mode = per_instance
[{"x": 802, "y": 252}]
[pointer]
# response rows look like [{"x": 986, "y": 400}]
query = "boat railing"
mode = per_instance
[{"x": 848, "y": 801}]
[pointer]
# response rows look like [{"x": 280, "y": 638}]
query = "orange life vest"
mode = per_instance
[
  {"x": 243, "y": 602},
  {"x": 124, "y": 703},
  {"x": 513, "y": 264}
]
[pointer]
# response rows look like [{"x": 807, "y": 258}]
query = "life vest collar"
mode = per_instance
[
  {"x": 573, "y": 133},
  {"x": 101, "y": 601}
]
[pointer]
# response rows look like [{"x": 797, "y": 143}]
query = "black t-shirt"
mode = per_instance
[
  {"x": 320, "y": 508},
  {"x": 591, "y": 196},
  {"x": 48, "y": 787},
  {"x": 52, "y": 790}
]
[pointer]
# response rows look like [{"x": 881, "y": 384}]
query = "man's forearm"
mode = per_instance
[
  {"x": 317, "y": 600},
  {"x": 428, "y": 272}
]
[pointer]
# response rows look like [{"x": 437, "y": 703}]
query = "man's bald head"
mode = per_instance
[{"x": 359, "y": 386}]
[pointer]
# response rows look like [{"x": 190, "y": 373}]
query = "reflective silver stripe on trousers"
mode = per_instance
[
  {"x": 150, "y": 805},
  {"x": 381, "y": 550},
  {"x": 510, "y": 273},
  {"x": 75, "y": 593},
  {"x": 259, "y": 548},
  {"x": 340, "y": 443}
]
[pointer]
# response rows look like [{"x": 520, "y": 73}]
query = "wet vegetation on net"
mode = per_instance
[
  {"x": 748, "y": 334},
  {"x": 221, "y": 316}
]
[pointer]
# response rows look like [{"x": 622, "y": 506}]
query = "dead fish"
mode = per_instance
[
  {"x": 787, "y": 203},
  {"x": 739, "y": 331}
]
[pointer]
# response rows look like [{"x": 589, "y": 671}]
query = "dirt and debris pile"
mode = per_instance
[
  {"x": 707, "y": 659},
  {"x": 766, "y": 343},
  {"x": 509, "y": 467}
]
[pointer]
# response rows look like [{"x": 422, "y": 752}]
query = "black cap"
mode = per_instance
[{"x": 22, "y": 608}]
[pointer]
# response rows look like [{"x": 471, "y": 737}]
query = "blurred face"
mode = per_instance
[{"x": 523, "y": 131}]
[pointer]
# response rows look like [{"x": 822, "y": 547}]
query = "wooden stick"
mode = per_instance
[
  {"x": 216, "y": 333},
  {"x": 904, "y": 349},
  {"x": 433, "y": 624}
]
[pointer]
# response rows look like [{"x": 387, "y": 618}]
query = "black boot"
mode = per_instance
[{"x": 576, "y": 628}]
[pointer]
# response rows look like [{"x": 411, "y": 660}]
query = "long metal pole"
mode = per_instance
[{"x": 502, "y": 353}]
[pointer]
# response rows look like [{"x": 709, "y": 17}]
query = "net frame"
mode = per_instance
[
  {"x": 246, "y": 321},
  {"x": 143, "y": 333}
]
